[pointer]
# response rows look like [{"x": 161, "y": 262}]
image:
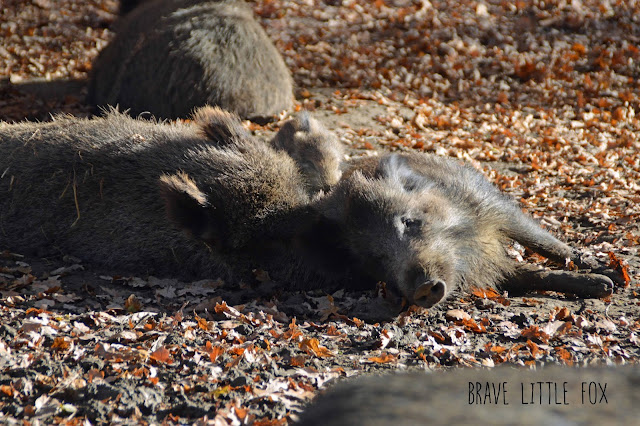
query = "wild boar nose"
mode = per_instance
[{"x": 430, "y": 293}]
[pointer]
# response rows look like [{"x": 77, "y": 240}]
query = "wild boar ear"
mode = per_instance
[
  {"x": 219, "y": 126},
  {"x": 187, "y": 206},
  {"x": 396, "y": 168},
  {"x": 307, "y": 124}
]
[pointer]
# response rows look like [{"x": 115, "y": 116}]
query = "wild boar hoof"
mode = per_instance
[{"x": 598, "y": 286}]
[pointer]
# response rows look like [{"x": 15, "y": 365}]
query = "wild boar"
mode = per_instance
[
  {"x": 110, "y": 190},
  {"x": 426, "y": 225},
  {"x": 315, "y": 150},
  {"x": 119, "y": 192},
  {"x": 501, "y": 395},
  {"x": 170, "y": 56}
]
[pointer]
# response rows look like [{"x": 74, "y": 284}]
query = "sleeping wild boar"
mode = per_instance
[
  {"x": 110, "y": 190},
  {"x": 121, "y": 193},
  {"x": 426, "y": 225}
]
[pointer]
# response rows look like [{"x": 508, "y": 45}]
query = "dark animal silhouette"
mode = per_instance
[{"x": 568, "y": 396}]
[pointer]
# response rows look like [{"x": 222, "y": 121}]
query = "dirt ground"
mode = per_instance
[{"x": 540, "y": 96}]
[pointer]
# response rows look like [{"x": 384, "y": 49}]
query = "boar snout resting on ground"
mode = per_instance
[
  {"x": 315, "y": 150},
  {"x": 170, "y": 56},
  {"x": 426, "y": 225},
  {"x": 102, "y": 189}
]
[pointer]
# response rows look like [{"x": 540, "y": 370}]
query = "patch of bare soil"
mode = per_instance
[{"x": 541, "y": 96}]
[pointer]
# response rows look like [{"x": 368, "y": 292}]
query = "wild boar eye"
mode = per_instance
[{"x": 411, "y": 224}]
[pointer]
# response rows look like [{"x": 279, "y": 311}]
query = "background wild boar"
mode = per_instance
[
  {"x": 170, "y": 56},
  {"x": 316, "y": 151},
  {"x": 450, "y": 397},
  {"x": 108, "y": 190}
]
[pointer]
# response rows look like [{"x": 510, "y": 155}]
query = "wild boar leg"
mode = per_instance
[
  {"x": 527, "y": 232},
  {"x": 529, "y": 277}
]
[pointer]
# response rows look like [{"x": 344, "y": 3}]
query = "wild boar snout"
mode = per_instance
[
  {"x": 424, "y": 289},
  {"x": 430, "y": 293}
]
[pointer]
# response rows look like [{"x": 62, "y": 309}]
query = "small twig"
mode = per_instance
[{"x": 75, "y": 198}]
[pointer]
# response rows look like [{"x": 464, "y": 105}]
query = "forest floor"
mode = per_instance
[{"x": 540, "y": 96}]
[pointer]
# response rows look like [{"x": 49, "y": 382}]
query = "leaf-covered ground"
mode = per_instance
[{"x": 541, "y": 96}]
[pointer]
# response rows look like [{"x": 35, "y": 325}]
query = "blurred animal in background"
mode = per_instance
[
  {"x": 171, "y": 56},
  {"x": 501, "y": 395}
]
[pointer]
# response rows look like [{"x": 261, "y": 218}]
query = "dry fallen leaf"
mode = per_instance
[
  {"x": 562, "y": 314},
  {"x": 7, "y": 390},
  {"x": 471, "y": 325},
  {"x": 312, "y": 347},
  {"x": 383, "y": 359},
  {"x": 132, "y": 304},
  {"x": 161, "y": 355},
  {"x": 534, "y": 332},
  {"x": 213, "y": 351},
  {"x": 487, "y": 293},
  {"x": 622, "y": 268}
]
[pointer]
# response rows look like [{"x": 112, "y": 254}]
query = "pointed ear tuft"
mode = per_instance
[
  {"x": 303, "y": 122},
  {"x": 187, "y": 206},
  {"x": 397, "y": 169},
  {"x": 219, "y": 126}
]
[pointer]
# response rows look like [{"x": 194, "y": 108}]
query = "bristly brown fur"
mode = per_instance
[
  {"x": 427, "y": 225},
  {"x": 127, "y": 171}
]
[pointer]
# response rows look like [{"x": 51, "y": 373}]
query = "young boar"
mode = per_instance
[
  {"x": 314, "y": 149},
  {"x": 110, "y": 190},
  {"x": 170, "y": 56},
  {"x": 426, "y": 225}
]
